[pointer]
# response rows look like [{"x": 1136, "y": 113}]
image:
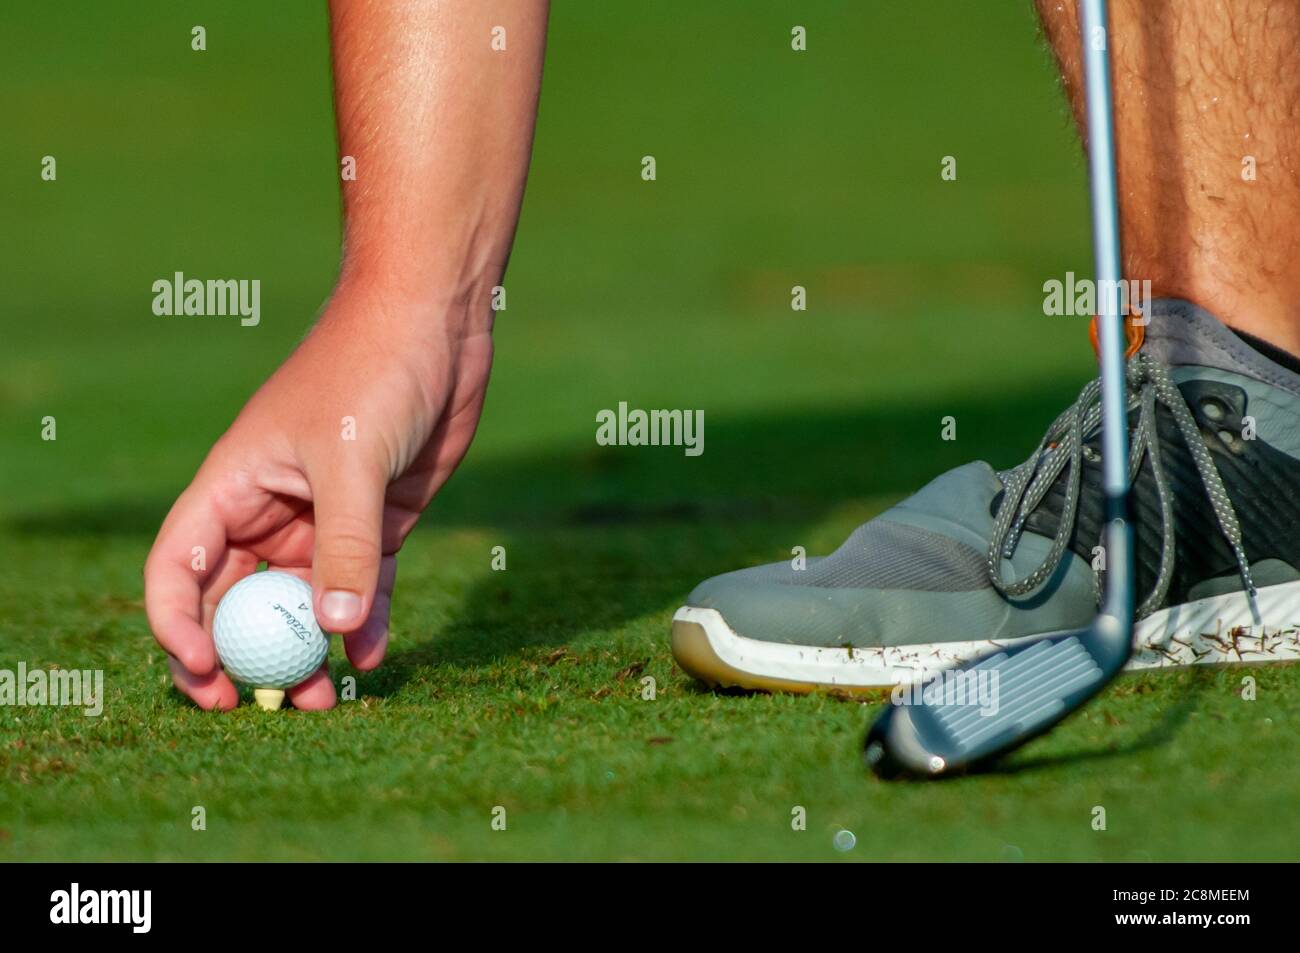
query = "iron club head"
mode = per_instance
[{"x": 1008, "y": 698}]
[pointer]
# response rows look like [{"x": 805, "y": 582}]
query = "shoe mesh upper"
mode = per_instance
[{"x": 883, "y": 554}]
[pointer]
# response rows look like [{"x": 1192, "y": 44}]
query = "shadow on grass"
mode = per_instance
[{"x": 600, "y": 537}]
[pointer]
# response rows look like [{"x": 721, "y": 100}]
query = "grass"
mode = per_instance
[{"x": 523, "y": 689}]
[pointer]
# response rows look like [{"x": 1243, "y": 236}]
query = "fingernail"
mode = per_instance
[{"x": 339, "y": 606}]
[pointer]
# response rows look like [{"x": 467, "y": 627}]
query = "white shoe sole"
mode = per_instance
[{"x": 1217, "y": 630}]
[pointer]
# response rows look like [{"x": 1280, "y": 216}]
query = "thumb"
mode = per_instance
[{"x": 349, "y": 511}]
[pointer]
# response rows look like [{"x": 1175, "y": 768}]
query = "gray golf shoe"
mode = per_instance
[{"x": 1016, "y": 554}]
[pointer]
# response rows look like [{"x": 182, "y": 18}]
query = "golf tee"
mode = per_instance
[{"x": 269, "y": 698}]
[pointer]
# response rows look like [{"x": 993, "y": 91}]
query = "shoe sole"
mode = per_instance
[{"x": 1218, "y": 630}]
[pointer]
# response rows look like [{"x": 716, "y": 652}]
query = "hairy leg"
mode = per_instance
[{"x": 1207, "y": 122}]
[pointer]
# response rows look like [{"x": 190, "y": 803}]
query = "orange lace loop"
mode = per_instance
[{"x": 1134, "y": 330}]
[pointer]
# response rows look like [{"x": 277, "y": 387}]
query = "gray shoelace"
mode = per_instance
[{"x": 1025, "y": 486}]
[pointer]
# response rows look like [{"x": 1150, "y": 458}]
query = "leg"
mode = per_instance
[{"x": 1199, "y": 88}]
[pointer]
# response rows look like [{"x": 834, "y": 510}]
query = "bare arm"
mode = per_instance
[{"x": 440, "y": 125}]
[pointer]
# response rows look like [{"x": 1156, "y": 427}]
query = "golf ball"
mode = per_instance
[{"x": 266, "y": 632}]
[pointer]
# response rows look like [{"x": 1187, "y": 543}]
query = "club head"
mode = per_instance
[{"x": 974, "y": 713}]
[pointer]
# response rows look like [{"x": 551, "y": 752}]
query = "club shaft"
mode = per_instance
[{"x": 1095, "y": 31}]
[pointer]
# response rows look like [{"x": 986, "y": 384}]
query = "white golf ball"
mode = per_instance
[{"x": 266, "y": 632}]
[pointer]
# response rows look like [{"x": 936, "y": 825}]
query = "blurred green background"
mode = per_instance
[{"x": 521, "y": 689}]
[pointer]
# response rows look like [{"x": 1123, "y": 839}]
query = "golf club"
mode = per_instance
[{"x": 1037, "y": 684}]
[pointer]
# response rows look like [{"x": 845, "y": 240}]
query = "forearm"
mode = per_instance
[{"x": 440, "y": 127}]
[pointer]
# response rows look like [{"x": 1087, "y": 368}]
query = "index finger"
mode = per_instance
[{"x": 192, "y": 534}]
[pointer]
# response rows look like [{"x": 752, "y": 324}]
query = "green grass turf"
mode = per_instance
[{"x": 522, "y": 688}]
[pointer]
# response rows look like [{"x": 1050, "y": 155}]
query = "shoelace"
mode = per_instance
[{"x": 1025, "y": 486}]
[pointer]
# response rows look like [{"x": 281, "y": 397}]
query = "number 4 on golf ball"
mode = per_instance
[{"x": 267, "y": 635}]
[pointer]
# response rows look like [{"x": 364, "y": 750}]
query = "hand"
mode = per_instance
[{"x": 293, "y": 484}]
